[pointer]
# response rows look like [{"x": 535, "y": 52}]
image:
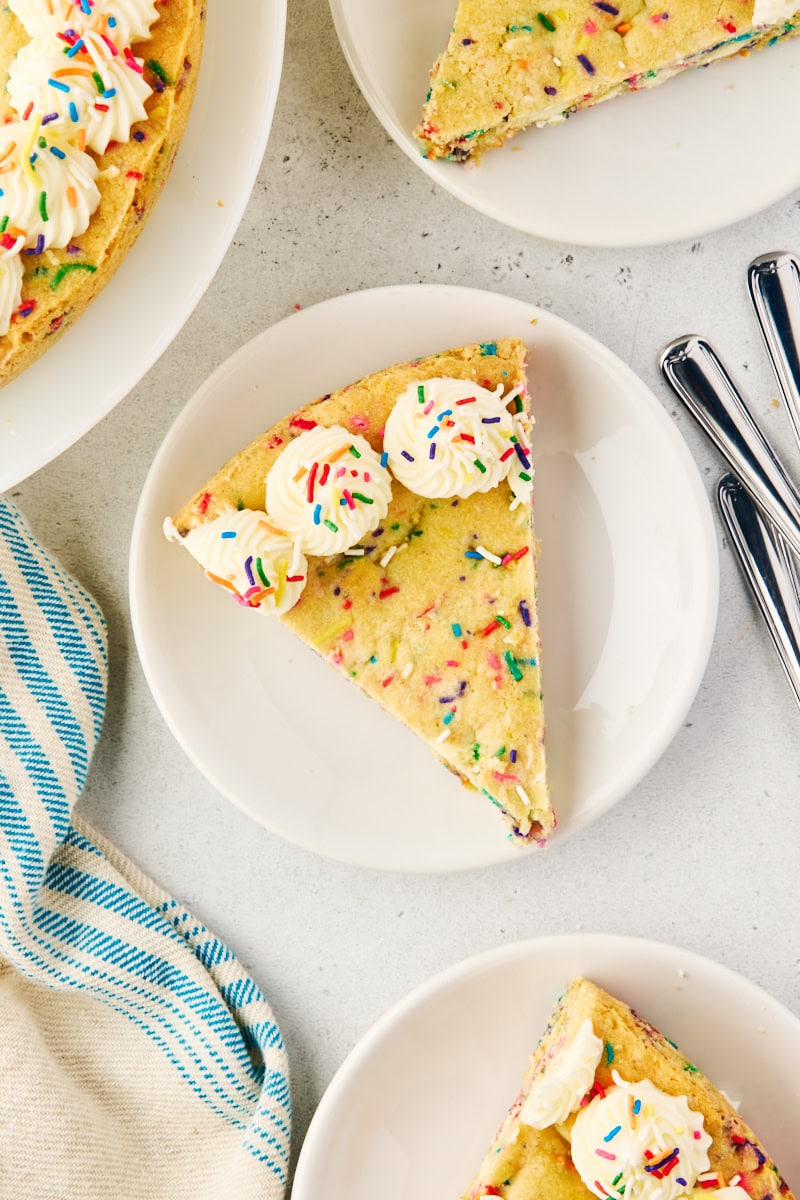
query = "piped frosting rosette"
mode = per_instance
[
  {"x": 639, "y": 1142},
  {"x": 48, "y": 185},
  {"x": 558, "y": 1090},
  {"x": 93, "y": 87},
  {"x": 244, "y": 552},
  {"x": 124, "y": 21},
  {"x": 450, "y": 437},
  {"x": 328, "y": 488},
  {"x": 10, "y": 285},
  {"x": 770, "y": 12},
  {"x": 75, "y": 85}
]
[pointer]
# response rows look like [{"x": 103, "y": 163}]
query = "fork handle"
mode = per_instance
[
  {"x": 770, "y": 571},
  {"x": 774, "y": 284},
  {"x": 696, "y": 374}
]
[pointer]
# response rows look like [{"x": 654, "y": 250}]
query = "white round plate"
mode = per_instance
[
  {"x": 416, "y": 1104},
  {"x": 674, "y": 162},
  {"x": 628, "y": 593},
  {"x": 95, "y": 364}
]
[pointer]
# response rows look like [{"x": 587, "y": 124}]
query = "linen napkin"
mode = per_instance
[{"x": 137, "y": 1057}]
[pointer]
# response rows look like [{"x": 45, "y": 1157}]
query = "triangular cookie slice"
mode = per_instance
[
  {"x": 610, "y": 1108},
  {"x": 432, "y": 611},
  {"x": 507, "y": 66}
]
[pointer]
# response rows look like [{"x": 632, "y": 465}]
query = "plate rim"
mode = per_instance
[
  {"x": 612, "y": 944},
  {"x": 450, "y": 183},
  {"x": 671, "y": 717},
  {"x": 234, "y": 211}
]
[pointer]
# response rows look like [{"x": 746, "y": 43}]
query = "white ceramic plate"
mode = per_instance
[
  {"x": 121, "y": 335},
  {"x": 415, "y": 1105},
  {"x": 628, "y": 593},
  {"x": 698, "y": 153}
]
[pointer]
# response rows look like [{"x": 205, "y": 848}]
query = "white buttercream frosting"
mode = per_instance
[
  {"x": 449, "y": 437},
  {"x": 328, "y": 489},
  {"x": 569, "y": 1075},
  {"x": 520, "y": 475},
  {"x": 10, "y": 288},
  {"x": 770, "y": 12},
  {"x": 244, "y": 552},
  {"x": 124, "y": 21},
  {"x": 76, "y": 75},
  {"x": 67, "y": 88},
  {"x": 48, "y": 184},
  {"x": 639, "y": 1139}
]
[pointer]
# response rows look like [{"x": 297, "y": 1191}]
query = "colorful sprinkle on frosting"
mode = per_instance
[
  {"x": 471, "y": 429},
  {"x": 328, "y": 489}
]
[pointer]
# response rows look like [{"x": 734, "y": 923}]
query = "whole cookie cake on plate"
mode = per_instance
[
  {"x": 609, "y": 1107},
  {"x": 97, "y": 94},
  {"x": 389, "y": 525},
  {"x": 507, "y": 66}
]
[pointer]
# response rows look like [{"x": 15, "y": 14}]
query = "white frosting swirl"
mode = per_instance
[
  {"x": 328, "y": 489},
  {"x": 48, "y": 185},
  {"x": 449, "y": 437},
  {"x": 43, "y": 77},
  {"x": 639, "y": 1139},
  {"x": 770, "y": 12},
  {"x": 48, "y": 189},
  {"x": 10, "y": 288},
  {"x": 124, "y": 21},
  {"x": 244, "y": 552},
  {"x": 559, "y": 1089}
]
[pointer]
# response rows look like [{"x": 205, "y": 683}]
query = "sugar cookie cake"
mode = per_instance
[
  {"x": 610, "y": 1108},
  {"x": 389, "y": 524},
  {"x": 95, "y": 100},
  {"x": 509, "y": 65}
]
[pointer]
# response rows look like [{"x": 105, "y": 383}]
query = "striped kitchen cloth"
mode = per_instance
[{"x": 137, "y": 1056}]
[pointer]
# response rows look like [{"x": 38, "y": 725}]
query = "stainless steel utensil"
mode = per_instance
[
  {"x": 770, "y": 570},
  {"x": 698, "y": 377},
  {"x": 774, "y": 283}
]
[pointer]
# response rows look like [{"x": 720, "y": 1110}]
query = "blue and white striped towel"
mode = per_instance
[{"x": 137, "y": 1058}]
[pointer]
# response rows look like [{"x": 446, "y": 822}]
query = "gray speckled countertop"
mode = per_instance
[{"x": 703, "y": 853}]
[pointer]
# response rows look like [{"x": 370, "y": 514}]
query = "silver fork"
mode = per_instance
[
  {"x": 774, "y": 283},
  {"x": 696, "y": 374},
  {"x": 770, "y": 570},
  {"x": 763, "y": 516}
]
